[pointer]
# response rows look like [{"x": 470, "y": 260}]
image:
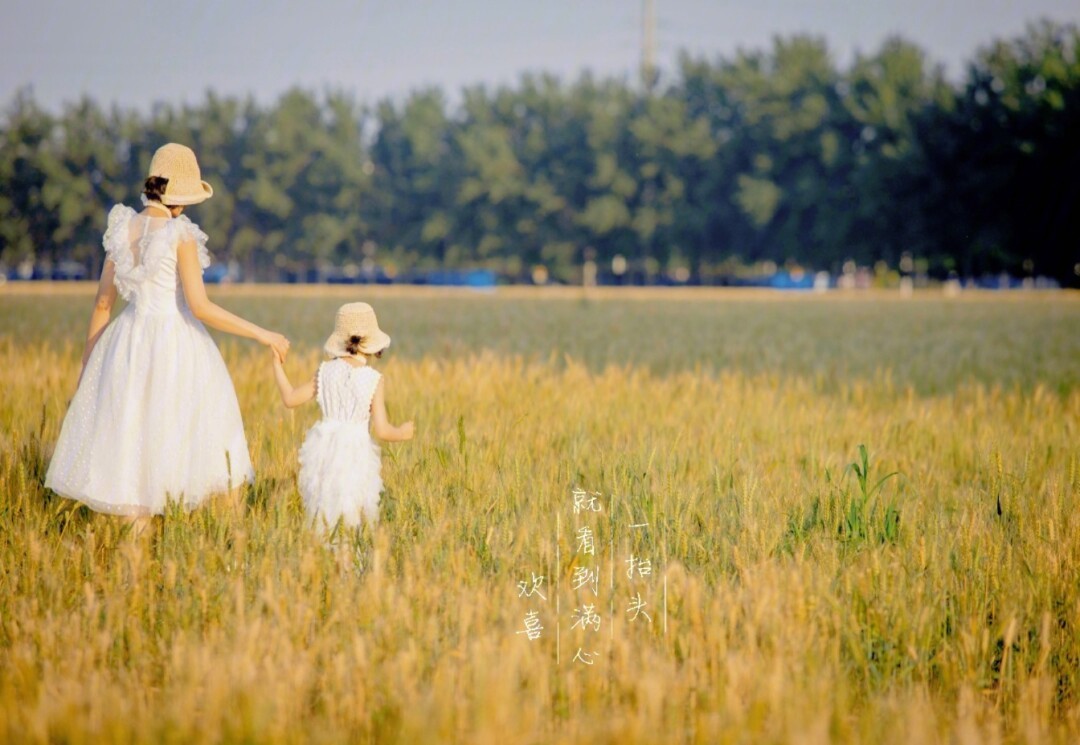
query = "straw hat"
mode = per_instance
[
  {"x": 177, "y": 163},
  {"x": 356, "y": 319}
]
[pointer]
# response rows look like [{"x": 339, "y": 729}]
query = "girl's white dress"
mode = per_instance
[
  {"x": 155, "y": 416},
  {"x": 339, "y": 462}
]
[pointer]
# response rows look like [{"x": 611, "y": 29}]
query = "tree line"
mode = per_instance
[{"x": 773, "y": 155}]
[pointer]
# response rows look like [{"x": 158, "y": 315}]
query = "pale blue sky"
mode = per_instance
[{"x": 136, "y": 53}]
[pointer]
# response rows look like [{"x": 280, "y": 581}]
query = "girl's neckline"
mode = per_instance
[{"x": 352, "y": 367}]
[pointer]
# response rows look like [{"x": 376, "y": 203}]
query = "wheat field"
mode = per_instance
[{"x": 859, "y": 515}]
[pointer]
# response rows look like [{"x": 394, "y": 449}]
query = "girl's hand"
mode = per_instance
[{"x": 407, "y": 430}]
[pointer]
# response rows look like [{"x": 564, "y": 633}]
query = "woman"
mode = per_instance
[{"x": 155, "y": 416}]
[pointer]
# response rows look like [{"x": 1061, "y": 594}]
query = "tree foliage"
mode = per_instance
[{"x": 770, "y": 155}]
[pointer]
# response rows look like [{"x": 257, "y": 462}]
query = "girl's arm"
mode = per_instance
[
  {"x": 292, "y": 397},
  {"x": 381, "y": 426},
  {"x": 187, "y": 262},
  {"x": 99, "y": 317}
]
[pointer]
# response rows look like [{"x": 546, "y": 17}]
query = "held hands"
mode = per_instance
[
  {"x": 278, "y": 344},
  {"x": 408, "y": 429}
]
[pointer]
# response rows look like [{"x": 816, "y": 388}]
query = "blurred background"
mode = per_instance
[{"x": 777, "y": 143}]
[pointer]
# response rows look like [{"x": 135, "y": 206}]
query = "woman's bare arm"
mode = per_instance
[
  {"x": 290, "y": 396},
  {"x": 381, "y": 426},
  {"x": 213, "y": 315},
  {"x": 99, "y": 316}
]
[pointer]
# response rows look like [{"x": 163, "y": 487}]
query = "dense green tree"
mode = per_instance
[
  {"x": 27, "y": 225},
  {"x": 885, "y": 94},
  {"x": 1003, "y": 159},
  {"x": 773, "y": 155},
  {"x": 409, "y": 156}
]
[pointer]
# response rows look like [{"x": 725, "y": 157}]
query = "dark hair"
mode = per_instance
[
  {"x": 352, "y": 346},
  {"x": 154, "y": 188}
]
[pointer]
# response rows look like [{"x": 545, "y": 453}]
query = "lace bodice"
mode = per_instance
[
  {"x": 143, "y": 248},
  {"x": 344, "y": 392}
]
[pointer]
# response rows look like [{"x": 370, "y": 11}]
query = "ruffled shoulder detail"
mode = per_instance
[
  {"x": 186, "y": 228},
  {"x": 118, "y": 247},
  {"x": 138, "y": 259}
]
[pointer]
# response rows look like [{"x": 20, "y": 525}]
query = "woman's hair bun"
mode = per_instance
[{"x": 154, "y": 188}]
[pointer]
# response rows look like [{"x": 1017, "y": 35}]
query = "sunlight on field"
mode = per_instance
[{"x": 801, "y": 605}]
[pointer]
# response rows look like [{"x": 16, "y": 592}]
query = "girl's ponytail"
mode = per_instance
[{"x": 353, "y": 345}]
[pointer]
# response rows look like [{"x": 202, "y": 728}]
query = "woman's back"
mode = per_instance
[
  {"x": 155, "y": 416},
  {"x": 143, "y": 249}
]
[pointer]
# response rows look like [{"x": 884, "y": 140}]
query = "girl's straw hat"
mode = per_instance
[
  {"x": 356, "y": 319},
  {"x": 177, "y": 163}
]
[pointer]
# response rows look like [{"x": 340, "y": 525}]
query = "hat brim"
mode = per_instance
[
  {"x": 335, "y": 345},
  {"x": 185, "y": 200}
]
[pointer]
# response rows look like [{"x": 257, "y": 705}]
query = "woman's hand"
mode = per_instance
[{"x": 278, "y": 344}]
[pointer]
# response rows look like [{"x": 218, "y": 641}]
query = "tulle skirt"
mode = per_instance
[
  {"x": 155, "y": 418},
  {"x": 339, "y": 474}
]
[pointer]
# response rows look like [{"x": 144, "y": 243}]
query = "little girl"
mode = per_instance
[{"x": 339, "y": 463}]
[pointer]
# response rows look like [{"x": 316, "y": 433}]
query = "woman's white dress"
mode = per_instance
[
  {"x": 155, "y": 416},
  {"x": 339, "y": 462}
]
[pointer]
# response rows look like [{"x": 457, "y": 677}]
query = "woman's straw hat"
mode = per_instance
[
  {"x": 177, "y": 163},
  {"x": 356, "y": 319}
]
